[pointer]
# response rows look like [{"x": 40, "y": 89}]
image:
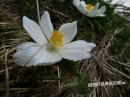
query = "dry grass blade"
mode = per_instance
[
  {"x": 38, "y": 11},
  {"x": 57, "y": 12},
  {"x": 118, "y": 70},
  {"x": 7, "y": 75}
]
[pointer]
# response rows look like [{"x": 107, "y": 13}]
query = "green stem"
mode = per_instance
[{"x": 81, "y": 21}]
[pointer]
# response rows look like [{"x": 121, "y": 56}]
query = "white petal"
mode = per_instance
[
  {"x": 76, "y": 3},
  {"x": 102, "y": 10},
  {"x": 102, "y": 15},
  {"x": 69, "y": 31},
  {"x": 83, "y": 3},
  {"x": 81, "y": 44},
  {"x": 77, "y": 50},
  {"x": 82, "y": 8},
  {"x": 42, "y": 56},
  {"x": 34, "y": 30},
  {"x": 46, "y": 24},
  {"x": 91, "y": 14},
  {"x": 94, "y": 11},
  {"x": 96, "y": 6}
]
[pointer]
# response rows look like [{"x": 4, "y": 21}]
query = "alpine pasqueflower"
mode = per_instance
[
  {"x": 88, "y": 9},
  {"x": 51, "y": 48}
]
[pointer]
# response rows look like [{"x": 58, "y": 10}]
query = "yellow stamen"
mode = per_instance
[
  {"x": 56, "y": 40},
  {"x": 88, "y": 7}
]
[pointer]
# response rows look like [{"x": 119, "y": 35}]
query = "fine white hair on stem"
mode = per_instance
[
  {"x": 38, "y": 11},
  {"x": 7, "y": 75}
]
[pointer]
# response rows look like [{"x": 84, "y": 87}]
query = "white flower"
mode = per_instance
[
  {"x": 55, "y": 47},
  {"x": 88, "y": 9}
]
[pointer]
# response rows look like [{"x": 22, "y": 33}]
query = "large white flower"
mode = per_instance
[
  {"x": 88, "y": 9},
  {"x": 52, "y": 48}
]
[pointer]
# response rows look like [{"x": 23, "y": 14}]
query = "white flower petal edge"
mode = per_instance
[
  {"x": 76, "y": 2},
  {"x": 34, "y": 30},
  {"x": 26, "y": 51},
  {"x": 96, "y": 6},
  {"x": 46, "y": 24},
  {"x": 102, "y": 15},
  {"x": 76, "y": 50},
  {"x": 69, "y": 31},
  {"x": 102, "y": 10}
]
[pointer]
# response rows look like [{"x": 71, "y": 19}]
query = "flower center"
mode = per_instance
[
  {"x": 56, "y": 40},
  {"x": 88, "y": 7}
]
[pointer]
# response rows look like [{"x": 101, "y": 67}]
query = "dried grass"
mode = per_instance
[{"x": 102, "y": 68}]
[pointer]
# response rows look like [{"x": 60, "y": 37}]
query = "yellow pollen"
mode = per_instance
[
  {"x": 88, "y": 7},
  {"x": 56, "y": 40}
]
